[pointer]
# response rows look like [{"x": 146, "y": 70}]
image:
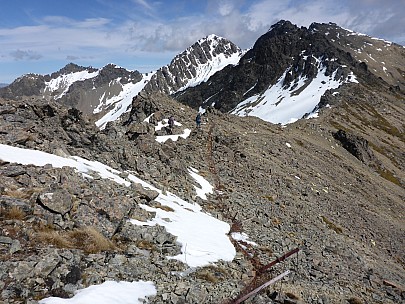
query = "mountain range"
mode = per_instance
[
  {"x": 298, "y": 165},
  {"x": 293, "y": 67}
]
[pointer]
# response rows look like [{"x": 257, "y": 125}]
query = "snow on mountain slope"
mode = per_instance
[
  {"x": 280, "y": 104},
  {"x": 62, "y": 83},
  {"x": 195, "y": 65},
  {"x": 383, "y": 58},
  {"x": 121, "y": 102},
  {"x": 204, "y": 70}
]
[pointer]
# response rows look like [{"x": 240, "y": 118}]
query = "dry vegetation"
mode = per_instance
[
  {"x": 332, "y": 225},
  {"x": 88, "y": 239},
  {"x": 21, "y": 193},
  {"x": 211, "y": 274},
  {"x": 14, "y": 213},
  {"x": 144, "y": 244}
]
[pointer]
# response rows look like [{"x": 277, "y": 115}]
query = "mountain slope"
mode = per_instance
[
  {"x": 105, "y": 94},
  {"x": 382, "y": 58},
  {"x": 291, "y": 68},
  {"x": 195, "y": 65},
  {"x": 285, "y": 188}
]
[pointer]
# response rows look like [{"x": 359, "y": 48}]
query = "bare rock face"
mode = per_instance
[
  {"x": 357, "y": 146},
  {"x": 27, "y": 85}
]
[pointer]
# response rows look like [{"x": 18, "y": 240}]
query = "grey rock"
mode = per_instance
[
  {"x": 15, "y": 246},
  {"x": 6, "y": 240},
  {"x": 59, "y": 201}
]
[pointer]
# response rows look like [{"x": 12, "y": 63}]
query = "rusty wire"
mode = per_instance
[{"x": 261, "y": 272}]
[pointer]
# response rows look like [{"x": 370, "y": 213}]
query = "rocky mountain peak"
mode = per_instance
[
  {"x": 26, "y": 85},
  {"x": 286, "y": 63},
  {"x": 195, "y": 65},
  {"x": 72, "y": 68},
  {"x": 212, "y": 46},
  {"x": 282, "y": 27}
]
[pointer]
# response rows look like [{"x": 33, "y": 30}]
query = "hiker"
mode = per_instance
[
  {"x": 171, "y": 124},
  {"x": 198, "y": 120}
]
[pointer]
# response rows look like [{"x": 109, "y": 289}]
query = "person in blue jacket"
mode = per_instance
[{"x": 198, "y": 120}]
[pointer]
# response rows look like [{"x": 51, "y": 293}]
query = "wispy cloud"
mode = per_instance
[
  {"x": 62, "y": 36},
  {"x": 25, "y": 55},
  {"x": 143, "y": 3}
]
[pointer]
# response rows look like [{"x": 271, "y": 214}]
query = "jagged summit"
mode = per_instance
[
  {"x": 282, "y": 26},
  {"x": 291, "y": 68},
  {"x": 195, "y": 65},
  {"x": 72, "y": 68}
]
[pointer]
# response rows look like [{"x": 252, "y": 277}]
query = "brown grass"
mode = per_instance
[
  {"x": 88, "y": 239},
  {"x": 54, "y": 238},
  {"x": 331, "y": 225},
  {"x": 292, "y": 296},
  {"x": 211, "y": 274},
  {"x": 14, "y": 213},
  {"x": 165, "y": 208},
  {"x": 21, "y": 193},
  {"x": 276, "y": 221},
  {"x": 270, "y": 198},
  {"x": 267, "y": 250},
  {"x": 144, "y": 244},
  {"x": 389, "y": 176}
]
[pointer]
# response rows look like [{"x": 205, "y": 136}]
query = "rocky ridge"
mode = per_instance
[
  {"x": 98, "y": 92},
  {"x": 295, "y": 54},
  {"x": 292, "y": 187},
  {"x": 195, "y": 65}
]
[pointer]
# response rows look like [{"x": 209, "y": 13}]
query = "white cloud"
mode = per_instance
[
  {"x": 225, "y": 7},
  {"x": 25, "y": 55},
  {"x": 62, "y": 36},
  {"x": 143, "y": 3}
]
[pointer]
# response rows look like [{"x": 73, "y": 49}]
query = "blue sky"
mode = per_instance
[{"x": 42, "y": 36}]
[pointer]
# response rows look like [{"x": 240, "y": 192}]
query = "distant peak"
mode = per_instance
[
  {"x": 282, "y": 24},
  {"x": 73, "y": 68},
  {"x": 211, "y": 37},
  {"x": 113, "y": 66}
]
